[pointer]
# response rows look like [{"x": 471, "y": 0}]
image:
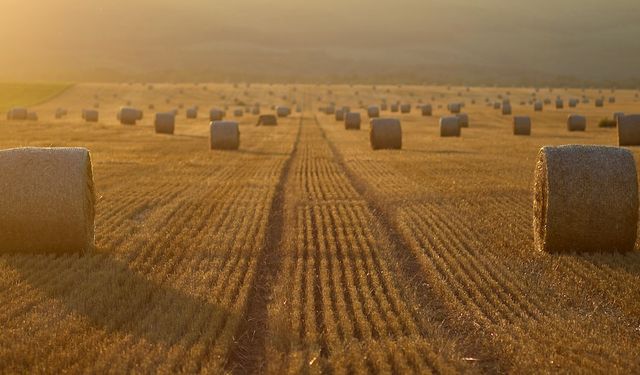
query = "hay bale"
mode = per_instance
[
  {"x": 599, "y": 102},
  {"x": 573, "y": 103},
  {"x": 506, "y": 109},
  {"x": 268, "y": 120},
  {"x": 585, "y": 199},
  {"x": 497, "y": 105},
  {"x": 405, "y": 108},
  {"x": 238, "y": 113},
  {"x": 47, "y": 200},
  {"x": 394, "y": 108},
  {"x": 463, "y": 120},
  {"x": 255, "y": 110},
  {"x": 450, "y": 126},
  {"x": 90, "y": 115},
  {"x": 330, "y": 110},
  {"x": 559, "y": 104},
  {"x": 629, "y": 130},
  {"x": 373, "y": 111},
  {"x": 192, "y": 113},
  {"x": 352, "y": 120},
  {"x": 282, "y": 111},
  {"x": 165, "y": 123},
  {"x": 521, "y": 125},
  {"x": 538, "y": 106},
  {"x": 385, "y": 133},
  {"x": 128, "y": 115},
  {"x": 216, "y": 114},
  {"x": 427, "y": 110},
  {"x": 32, "y": 116},
  {"x": 454, "y": 108},
  {"x": 576, "y": 123},
  {"x": 224, "y": 135},
  {"x": 60, "y": 113},
  {"x": 339, "y": 115},
  {"x": 612, "y": 99},
  {"x": 384, "y": 107}
]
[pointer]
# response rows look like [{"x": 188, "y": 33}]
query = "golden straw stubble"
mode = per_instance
[{"x": 585, "y": 199}]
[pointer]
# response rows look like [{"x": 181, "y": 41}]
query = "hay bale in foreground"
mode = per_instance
[
  {"x": 385, "y": 133},
  {"x": 585, "y": 199},
  {"x": 47, "y": 200},
  {"x": 352, "y": 120},
  {"x": 450, "y": 126},
  {"x": 522, "y": 125},
  {"x": 128, "y": 115},
  {"x": 267, "y": 120},
  {"x": 90, "y": 115},
  {"x": 576, "y": 123},
  {"x": 629, "y": 130},
  {"x": 165, "y": 123},
  {"x": 224, "y": 135}
]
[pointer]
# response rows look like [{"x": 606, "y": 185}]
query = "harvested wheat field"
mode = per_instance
[{"x": 306, "y": 251}]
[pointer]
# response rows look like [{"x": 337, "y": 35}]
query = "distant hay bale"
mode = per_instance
[
  {"x": 238, "y": 113},
  {"x": 629, "y": 130},
  {"x": 573, "y": 103},
  {"x": 373, "y": 111},
  {"x": 224, "y": 135},
  {"x": 267, "y": 120},
  {"x": 506, "y": 109},
  {"x": 90, "y": 115},
  {"x": 450, "y": 126},
  {"x": 32, "y": 116},
  {"x": 255, "y": 110},
  {"x": 283, "y": 111},
  {"x": 60, "y": 113},
  {"x": 47, "y": 200},
  {"x": 395, "y": 108},
  {"x": 405, "y": 108},
  {"x": 454, "y": 108},
  {"x": 547, "y": 101},
  {"x": 585, "y": 199},
  {"x": 497, "y": 105},
  {"x": 384, "y": 107},
  {"x": 612, "y": 99},
  {"x": 537, "y": 106},
  {"x": 599, "y": 102},
  {"x": 559, "y": 104},
  {"x": 330, "y": 110},
  {"x": 216, "y": 114},
  {"x": 339, "y": 115},
  {"x": 463, "y": 120},
  {"x": 352, "y": 120},
  {"x": 128, "y": 115},
  {"x": 192, "y": 113},
  {"x": 576, "y": 123},
  {"x": 385, "y": 133},
  {"x": 165, "y": 123},
  {"x": 521, "y": 125},
  {"x": 427, "y": 110}
]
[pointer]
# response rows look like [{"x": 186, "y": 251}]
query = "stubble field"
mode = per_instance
[{"x": 307, "y": 251}]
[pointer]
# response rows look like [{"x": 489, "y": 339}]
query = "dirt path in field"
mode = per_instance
[{"x": 247, "y": 355}]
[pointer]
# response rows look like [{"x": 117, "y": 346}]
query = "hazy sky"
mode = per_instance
[{"x": 74, "y": 39}]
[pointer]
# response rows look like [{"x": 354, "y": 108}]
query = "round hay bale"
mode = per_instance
[
  {"x": 216, "y": 114},
  {"x": 224, "y": 135},
  {"x": 559, "y": 104},
  {"x": 32, "y": 116},
  {"x": 599, "y": 102},
  {"x": 506, "y": 109},
  {"x": 192, "y": 113},
  {"x": 165, "y": 123},
  {"x": 339, "y": 115},
  {"x": 573, "y": 103},
  {"x": 60, "y": 113},
  {"x": 352, "y": 120},
  {"x": 538, "y": 106},
  {"x": 385, "y": 133},
  {"x": 394, "y": 108},
  {"x": 90, "y": 115},
  {"x": 267, "y": 120},
  {"x": 497, "y": 105},
  {"x": 283, "y": 111},
  {"x": 427, "y": 110},
  {"x": 373, "y": 111},
  {"x": 128, "y": 115},
  {"x": 47, "y": 200},
  {"x": 255, "y": 110},
  {"x": 450, "y": 126},
  {"x": 463, "y": 120},
  {"x": 405, "y": 108},
  {"x": 629, "y": 130},
  {"x": 612, "y": 99},
  {"x": 384, "y": 107},
  {"x": 576, "y": 123},
  {"x": 454, "y": 108},
  {"x": 585, "y": 199},
  {"x": 521, "y": 125},
  {"x": 238, "y": 113}
]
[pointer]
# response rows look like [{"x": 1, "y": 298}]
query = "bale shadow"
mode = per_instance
[
  {"x": 113, "y": 297},
  {"x": 627, "y": 262},
  {"x": 439, "y": 152}
]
